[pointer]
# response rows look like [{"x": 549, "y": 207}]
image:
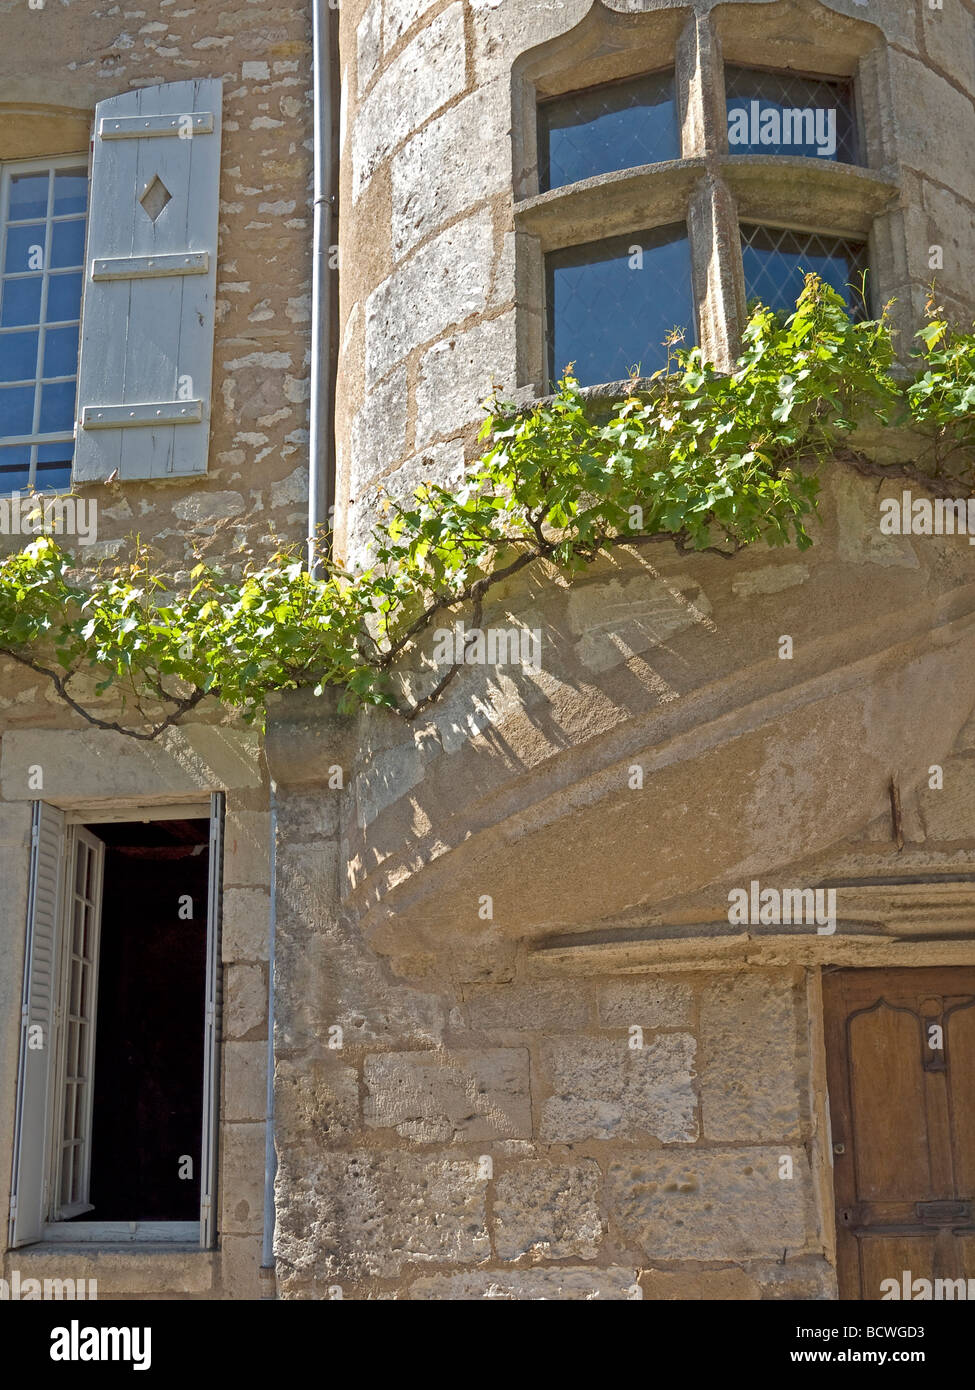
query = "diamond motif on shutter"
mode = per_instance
[{"x": 155, "y": 198}]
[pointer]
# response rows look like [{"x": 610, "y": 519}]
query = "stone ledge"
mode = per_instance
[{"x": 610, "y": 204}]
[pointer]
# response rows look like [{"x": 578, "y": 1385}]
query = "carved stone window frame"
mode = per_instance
[{"x": 709, "y": 188}]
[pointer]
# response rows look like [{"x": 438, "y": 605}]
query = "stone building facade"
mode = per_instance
[{"x": 521, "y": 1049}]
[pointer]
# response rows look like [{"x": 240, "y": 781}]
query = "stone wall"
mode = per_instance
[
  {"x": 55, "y": 64},
  {"x": 514, "y": 1137}
]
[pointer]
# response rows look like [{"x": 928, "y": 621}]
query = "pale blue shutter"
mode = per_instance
[
  {"x": 35, "y": 1076},
  {"x": 146, "y": 361}
]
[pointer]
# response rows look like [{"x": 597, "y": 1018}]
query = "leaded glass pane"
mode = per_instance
[
  {"x": 620, "y": 125},
  {"x": 776, "y": 262},
  {"x": 781, "y": 113},
  {"x": 612, "y": 303}
]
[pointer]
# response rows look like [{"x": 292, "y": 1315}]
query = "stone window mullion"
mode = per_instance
[{"x": 712, "y": 215}]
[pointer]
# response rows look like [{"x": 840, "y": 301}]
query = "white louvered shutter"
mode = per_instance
[
  {"x": 211, "y": 1036},
  {"x": 146, "y": 359},
  {"x": 35, "y": 1077}
]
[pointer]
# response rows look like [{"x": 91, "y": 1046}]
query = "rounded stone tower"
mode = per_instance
[{"x": 453, "y": 223}]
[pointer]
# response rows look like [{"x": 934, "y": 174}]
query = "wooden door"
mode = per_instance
[{"x": 900, "y": 1048}]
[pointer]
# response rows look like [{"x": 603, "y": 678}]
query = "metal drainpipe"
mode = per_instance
[
  {"x": 319, "y": 498},
  {"x": 268, "y": 1289},
  {"x": 322, "y": 308}
]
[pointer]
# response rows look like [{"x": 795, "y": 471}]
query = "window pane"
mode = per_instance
[
  {"x": 18, "y": 356},
  {"x": 28, "y": 196},
  {"x": 57, "y": 406},
  {"x": 617, "y": 126},
  {"x": 611, "y": 303},
  {"x": 60, "y": 351},
  {"x": 25, "y": 248},
  {"x": 20, "y": 301},
  {"x": 53, "y": 466},
  {"x": 16, "y": 410},
  {"x": 63, "y": 298},
  {"x": 68, "y": 243},
  {"x": 70, "y": 191},
  {"x": 779, "y": 113},
  {"x": 776, "y": 262},
  {"x": 14, "y": 468}
]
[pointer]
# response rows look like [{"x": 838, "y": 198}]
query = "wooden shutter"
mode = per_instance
[
  {"x": 76, "y": 1014},
  {"x": 146, "y": 360},
  {"x": 902, "y": 1112},
  {"x": 211, "y": 1042},
  {"x": 36, "y": 1069}
]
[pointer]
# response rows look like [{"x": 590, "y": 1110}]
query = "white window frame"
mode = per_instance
[
  {"x": 35, "y": 439},
  {"x": 51, "y": 1219}
]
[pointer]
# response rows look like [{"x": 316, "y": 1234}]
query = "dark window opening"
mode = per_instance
[
  {"x": 612, "y": 303},
  {"x": 619, "y": 125},
  {"x": 776, "y": 262},
  {"x": 782, "y": 113},
  {"x": 149, "y": 1040}
]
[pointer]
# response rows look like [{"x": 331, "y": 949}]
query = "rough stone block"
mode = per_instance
[
  {"x": 458, "y": 1095},
  {"x": 376, "y": 1213},
  {"x": 460, "y": 373},
  {"x": 246, "y": 924},
  {"x": 244, "y": 1080},
  {"x": 648, "y": 1003},
  {"x": 399, "y": 16},
  {"x": 616, "y": 620},
  {"x": 564, "y": 1285},
  {"x": 924, "y": 107},
  {"x": 606, "y": 1090},
  {"x": 368, "y": 45},
  {"x": 949, "y": 814},
  {"x": 240, "y": 1263},
  {"x": 444, "y": 169},
  {"x": 244, "y": 1001},
  {"x": 528, "y": 1008},
  {"x": 706, "y": 1205},
  {"x": 711, "y": 1285},
  {"x": 242, "y": 1154},
  {"x": 749, "y": 1060},
  {"x": 548, "y": 1212},
  {"x": 316, "y": 1101},
  {"x": 246, "y": 854},
  {"x": 445, "y": 282},
  {"x": 378, "y": 435},
  {"x": 427, "y": 73},
  {"x": 949, "y": 38}
]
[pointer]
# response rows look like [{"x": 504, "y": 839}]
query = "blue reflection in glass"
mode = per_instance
[
  {"x": 780, "y": 113},
  {"x": 18, "y": 356},
  {"x": 14, "y": 468},
  {"x": 63, "y": 298},
  {"x": 54, "y": 465},
  {"x": 57, "y": 406},
  {"x": 60, "y": 351},
  {"x": 68, "y": 243},
  {"x": 20, "y": 302},
  {"x": 611, "y": 303},
  {"x": 16, "y": 410},
  {"x": 776, "y": 262},
  {"x": 617, "y": 126},
  {"x": 28, "y": 196},
  {"x": 70, "y": 191},
  {"x": 25, "y": 248}
]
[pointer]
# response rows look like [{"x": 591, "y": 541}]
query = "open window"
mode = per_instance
[{"x": 117, "y": 1091}]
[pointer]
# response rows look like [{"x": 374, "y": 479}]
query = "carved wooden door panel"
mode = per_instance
[{"x": 900, "y": 1048}]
